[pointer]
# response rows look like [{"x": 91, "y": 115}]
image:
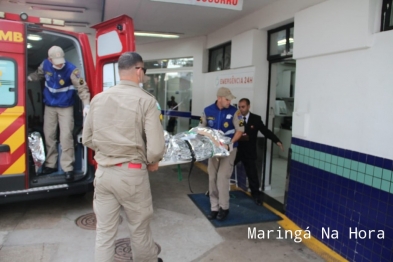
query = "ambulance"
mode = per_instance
[{"x": 24, "y": 44}]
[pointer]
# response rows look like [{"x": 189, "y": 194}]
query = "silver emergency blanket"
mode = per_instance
[
  {"x": 36, "y": 146},
  {"x": 203, "y": 142}
]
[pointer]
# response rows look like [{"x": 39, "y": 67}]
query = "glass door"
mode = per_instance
[
  {"x": 173, "y": 91},
  {"x": 281, "y": 101}
]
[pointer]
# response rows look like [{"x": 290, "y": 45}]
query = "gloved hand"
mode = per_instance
[
  {"x": 86, "y": 110},
  {"x": 229, "y": 147}
]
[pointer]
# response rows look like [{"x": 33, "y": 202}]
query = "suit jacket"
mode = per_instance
[{"x": 248, "y": 143}]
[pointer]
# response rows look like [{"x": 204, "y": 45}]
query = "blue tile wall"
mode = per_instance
[{"x": 340, "y": 189}]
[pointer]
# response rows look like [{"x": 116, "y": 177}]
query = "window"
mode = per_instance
[
  {"x": 220, "y": 57},
  {"x": 170, "y": 63},
  {"x": 7, "y": 82},
  {"x": 280, "y": 43},
  {"x": 110, "y": 76},
  {"x": 172, "y": 87},
  {"x": 387, "y": 15}
]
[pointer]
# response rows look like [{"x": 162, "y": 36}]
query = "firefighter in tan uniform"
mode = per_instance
[
  {"x": 123, "y": 128},
  {"x": 62, "y": 80},
  {"x": 221, "y": 115}
]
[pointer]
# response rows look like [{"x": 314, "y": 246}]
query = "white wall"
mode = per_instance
[
  {"x": 248, "y": 55},
  {"x": 333, "y": 26},
  {"x": 250, "y": 30},
  {"x": 242, "y": 49},
  {"x": 254, "y": 28},
  {"x": 238, "y": 90},
  {"x": 279, "y": 13},
  {"x": 347, "y": 95}
]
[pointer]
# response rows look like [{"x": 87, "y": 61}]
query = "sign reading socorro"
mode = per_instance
[{"x": 228, "y": 4}]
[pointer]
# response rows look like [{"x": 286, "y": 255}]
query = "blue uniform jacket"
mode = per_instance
[
  {"x": 221, "y": 119},
  {"x": 59, "y": 91}
]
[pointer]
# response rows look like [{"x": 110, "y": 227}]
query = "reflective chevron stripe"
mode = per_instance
[{"x": 13, "y": 134}]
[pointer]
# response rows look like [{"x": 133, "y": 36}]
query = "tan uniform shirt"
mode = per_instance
[
  {"x": 77, "y": 81},
  {"x": 123, "y": 125}
]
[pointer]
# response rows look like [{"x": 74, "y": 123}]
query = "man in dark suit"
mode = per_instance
[{"x": 247, "y": 149}]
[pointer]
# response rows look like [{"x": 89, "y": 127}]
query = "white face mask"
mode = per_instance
[{"x": 58, "y": 68}]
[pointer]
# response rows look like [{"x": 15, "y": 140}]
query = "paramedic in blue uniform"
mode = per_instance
[
  {"x": 62, "y": 81},
  {"x": 222, "y": 116}
]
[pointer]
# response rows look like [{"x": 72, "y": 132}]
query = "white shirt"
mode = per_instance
[{"x": 246, "y": 116}]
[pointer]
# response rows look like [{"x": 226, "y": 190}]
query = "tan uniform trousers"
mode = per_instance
[
  {"x": 220, "y": 171},
  {"x": 65, "y": 117},
  {"x": 117, "y": 187}
]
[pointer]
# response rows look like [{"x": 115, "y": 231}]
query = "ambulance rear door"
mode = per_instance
[
  {"x": 12, "y": 107},
  {"x": 113, "y": 38}
]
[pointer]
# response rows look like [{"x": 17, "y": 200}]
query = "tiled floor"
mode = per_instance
[{"x": 278, "y": 179}]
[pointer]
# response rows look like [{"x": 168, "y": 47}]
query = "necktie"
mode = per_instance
[{"x": 245, "y": 120}]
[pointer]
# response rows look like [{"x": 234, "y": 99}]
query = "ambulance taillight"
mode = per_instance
[{"x": 5, "y": 156}]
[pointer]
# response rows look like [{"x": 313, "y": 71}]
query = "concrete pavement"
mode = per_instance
[{"x": 45, "y": 230}]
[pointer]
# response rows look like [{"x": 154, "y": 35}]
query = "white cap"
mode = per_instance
[{"x": 57, "y": 55}]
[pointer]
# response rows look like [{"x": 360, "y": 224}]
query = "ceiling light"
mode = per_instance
[
  {"x": 284, "y": 41},
  {"x": 29, "y": 45},
  {"x": 147, "y": 34},
  {"x": 60, "y": 8},
  {"x": 33, "y": 37}
]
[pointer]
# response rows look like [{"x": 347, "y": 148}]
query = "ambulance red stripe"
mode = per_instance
[{"x": 10, "y": 130}]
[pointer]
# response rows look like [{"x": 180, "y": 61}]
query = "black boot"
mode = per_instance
[
  {"x": 222, "y": 214},
  {"x": 160, "y": 260},
  {"x": 212, "y": 215},
  {"x": 48, "y": 170},
  {"x": 257, "y": 199},
  {"x": 69, "y": 176}
]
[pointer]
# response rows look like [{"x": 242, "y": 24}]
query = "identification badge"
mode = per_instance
[{"x": 61, "y": 82}]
